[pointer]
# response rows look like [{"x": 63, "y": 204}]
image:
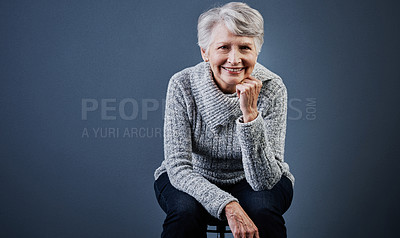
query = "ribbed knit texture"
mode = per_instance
[{"x": 206, "y": 145}]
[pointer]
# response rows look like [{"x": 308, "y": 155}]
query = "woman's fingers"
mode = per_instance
[
  {"x": 240, "y": 223},
  {"x": 243, "y": 229},
  {"x": 252, "y": 84},
  {"x": 246, "y": 231},
  {"x": 249, "y": 87}
]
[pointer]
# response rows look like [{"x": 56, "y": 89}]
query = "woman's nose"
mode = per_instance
[{"x": 234, "y": 57}]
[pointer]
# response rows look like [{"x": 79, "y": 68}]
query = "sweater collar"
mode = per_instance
[{"x": 216, "y": 108}]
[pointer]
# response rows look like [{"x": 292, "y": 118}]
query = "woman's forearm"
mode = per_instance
[{"x": 262, "y": 142}]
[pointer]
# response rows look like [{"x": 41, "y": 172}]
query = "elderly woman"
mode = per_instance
[{"x": 224, "y": 135}]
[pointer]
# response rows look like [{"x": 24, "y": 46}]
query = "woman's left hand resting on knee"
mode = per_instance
[{"x": 239, "y": 222}]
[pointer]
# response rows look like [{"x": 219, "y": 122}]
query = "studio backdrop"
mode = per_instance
[{"x": 82, "y": 96}]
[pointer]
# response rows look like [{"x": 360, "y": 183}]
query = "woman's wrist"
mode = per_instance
[
  {"x": 229, "y": 207},
  {"x": 248, "y": 117}
]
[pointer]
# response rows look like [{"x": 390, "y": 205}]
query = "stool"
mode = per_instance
[{"x": 220, "y": 228}]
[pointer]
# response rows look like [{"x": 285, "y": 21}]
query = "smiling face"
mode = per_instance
[{"x": 232, "y": 58}]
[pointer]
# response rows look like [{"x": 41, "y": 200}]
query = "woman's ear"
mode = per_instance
[{"x": 203, "y": 54}]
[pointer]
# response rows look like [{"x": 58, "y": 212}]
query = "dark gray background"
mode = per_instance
[{"x": 339, "y": 60}]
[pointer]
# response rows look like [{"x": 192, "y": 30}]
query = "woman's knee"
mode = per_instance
[
  {"x": 269, "y": 222},
  {"x": 266, "y": 209},
  {"x": 177, "y": 204},
  {"x": 185, "y": 218},
  {"x": 270, "y": 214}
]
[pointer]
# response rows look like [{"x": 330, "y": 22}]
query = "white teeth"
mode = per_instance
[{"x": 233, "y": 70}]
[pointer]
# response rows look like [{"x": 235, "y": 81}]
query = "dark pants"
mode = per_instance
[{"x": 187, "y": 218}]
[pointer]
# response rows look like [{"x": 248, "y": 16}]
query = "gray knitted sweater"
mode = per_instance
[{"x": 206, "y": 144}]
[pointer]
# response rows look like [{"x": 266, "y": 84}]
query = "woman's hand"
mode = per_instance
[
  {"x": 248, "y": 91},
  {"x": 240, "y": 223}
]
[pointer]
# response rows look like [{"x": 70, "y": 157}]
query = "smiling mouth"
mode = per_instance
[{"x": 235, "y": 70}]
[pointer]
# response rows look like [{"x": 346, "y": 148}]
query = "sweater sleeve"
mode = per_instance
[
  {"x": 262, "y": 140},
  {"x": 178, "y": 154}
]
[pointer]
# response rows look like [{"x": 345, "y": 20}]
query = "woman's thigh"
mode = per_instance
[
  {"x": 173, "y": 200},
  {"x": 186, "y": 217},
  {"x": 278, "y": 199}
]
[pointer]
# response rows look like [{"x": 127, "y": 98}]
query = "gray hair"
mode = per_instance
[{"x": 239, "y": 18}]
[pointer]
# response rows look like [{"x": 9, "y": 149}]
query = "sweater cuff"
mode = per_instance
[{"x": 240, "y": 122}]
